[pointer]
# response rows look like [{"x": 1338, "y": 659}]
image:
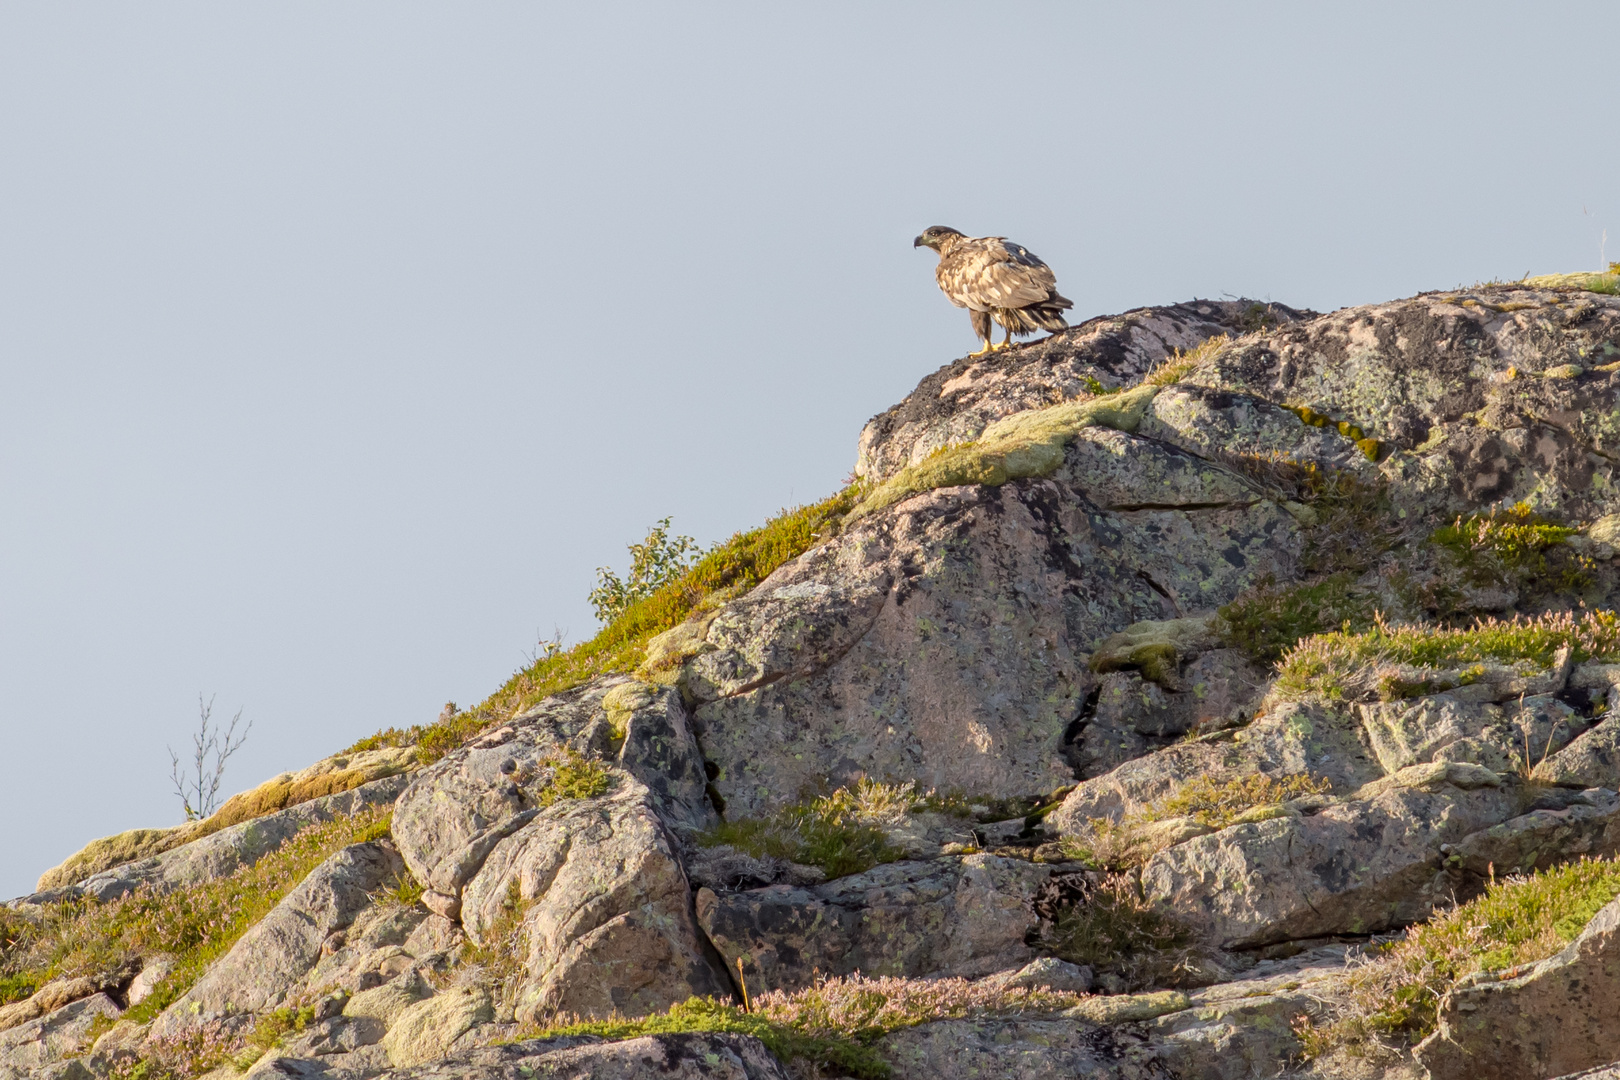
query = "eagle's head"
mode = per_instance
[{"x": 938, "y": 237}]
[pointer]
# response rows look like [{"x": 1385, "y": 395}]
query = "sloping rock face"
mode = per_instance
[{"x": 1033, "y": 635}]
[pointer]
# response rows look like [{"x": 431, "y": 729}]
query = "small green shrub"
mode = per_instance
[
  {"x": 272, "y": 1026},
  {"x": 1516, "y": 922},
  {"x": 574, "y": 776},
  {"x": 654, "y": 563},
  {"x": 1327, "y": 664},
  {"x": 1113, "y": 928},
  {"x": 842, "y": 833},
  {"x": 18, "y": 987},
  {"x": 1515, "y": 547},
  {"x": 736, "y": 565}
]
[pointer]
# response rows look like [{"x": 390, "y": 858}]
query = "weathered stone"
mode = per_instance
[
  {"x": 30, "y": 1046},
  {"x": 1357, "y": 866},
  {"x": 1575, "y": 824},
  {"x": 695, "y": 1056},
  {"x": 458, "y": 810},
  {"x": 1514, "y": 737},
  {"x": 967, "y": 672},
  {"x": 269, "y": 960},
  {"x": 603, "y": 905},
  {"x": 952, "y": 916},
  {"x": 1027, "y": 1049},
  {"x": 387, "y": 1001},
  {"x": 424, "y": 1031},
  {"x": 154, "y": 969},
  {"x": 1048, "y": 973},
  {"x": 1557, "y": 1018},
  {"x": 959, "y": 400}
]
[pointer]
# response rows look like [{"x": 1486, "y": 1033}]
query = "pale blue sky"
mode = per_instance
[{"x": 341, "y": 341}]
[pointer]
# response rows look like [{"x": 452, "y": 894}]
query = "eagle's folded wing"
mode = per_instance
[{"x": 999, "y": 275}]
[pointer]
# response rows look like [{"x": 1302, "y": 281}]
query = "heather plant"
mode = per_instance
[
  {"x": 1346, "y": 664},
  {"x": 1392, "y": 1000},
  {"x": 834, "y": 1024}
]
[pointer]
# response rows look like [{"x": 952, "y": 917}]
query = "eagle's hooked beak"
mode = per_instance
[{"x": 920, "y": 242}]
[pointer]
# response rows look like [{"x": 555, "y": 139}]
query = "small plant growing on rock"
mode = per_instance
[
  {"x": 1212, "y": 804},
  {"x": 198, "y": 790},
  {"x": 654, "y": 563},
  {"x": 1515, "y": 547},
  {"x": 842, "y": 833},
  {"x": 574, "y": 776},
  {"x": 1396, "y": 994},
  {"x": 1113, "y": 928}
]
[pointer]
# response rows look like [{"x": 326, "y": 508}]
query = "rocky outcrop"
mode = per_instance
[{"x": 1054, "y": 608}]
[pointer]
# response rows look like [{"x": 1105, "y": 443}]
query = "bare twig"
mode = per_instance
[{"x": 199, "y": 793}]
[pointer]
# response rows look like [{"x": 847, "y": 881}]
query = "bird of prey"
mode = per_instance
[{"x": 995, "y": 279}]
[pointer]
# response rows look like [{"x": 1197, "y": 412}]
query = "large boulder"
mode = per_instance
[
  {"x": 591, "y": 882},
  {"x": 595, "y": 889},
  {"x": 269, "y": 961},
  {"x": 963, "y": 916}
]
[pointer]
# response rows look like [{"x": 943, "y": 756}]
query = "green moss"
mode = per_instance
[
  {"x": 1324, "y": 664},
  {"x": 739, "y": 564},
  {"x": 1516, "y": 922},
  {"x": 1025, "y": 444},
  {"x": 18, "y": 987},
  {"x": 197, "y": 924}
]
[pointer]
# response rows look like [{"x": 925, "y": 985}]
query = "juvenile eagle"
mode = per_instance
[{"x": 995, "y": 279}]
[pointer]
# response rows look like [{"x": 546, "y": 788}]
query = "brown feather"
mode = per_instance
[{"x": 1004, "y": 280}]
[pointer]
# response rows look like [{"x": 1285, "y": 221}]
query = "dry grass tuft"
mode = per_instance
[{"x": 197, "y": 924}]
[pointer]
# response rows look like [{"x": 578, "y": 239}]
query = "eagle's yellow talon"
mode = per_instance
[{"x": 988, "y": 348}]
